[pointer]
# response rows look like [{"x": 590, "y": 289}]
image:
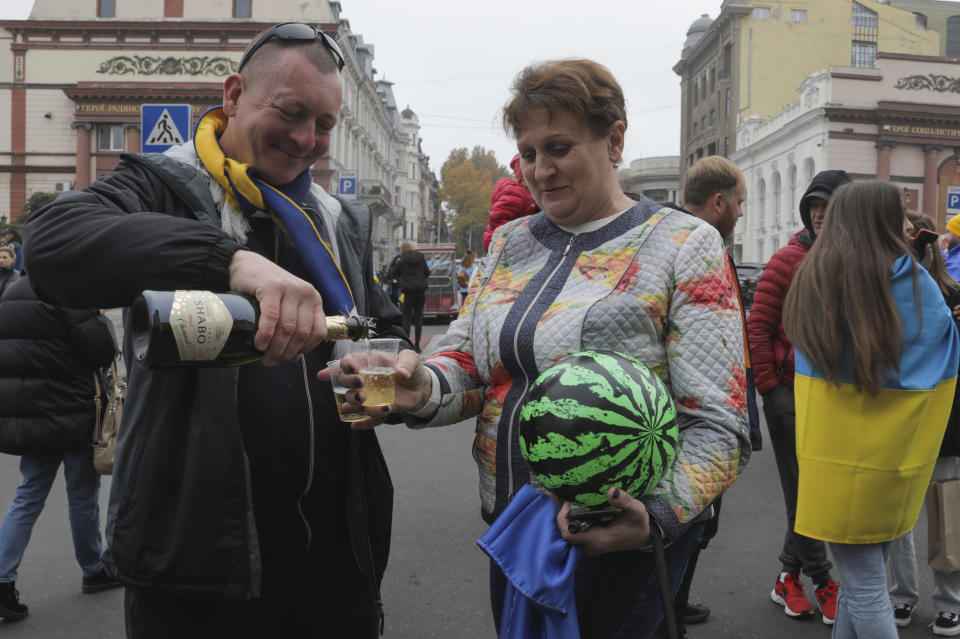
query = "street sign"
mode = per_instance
[
  {"x": 953, "y": 201},
  {"x": 164, "y": 125},
  {"x": 348, "y": 183}
]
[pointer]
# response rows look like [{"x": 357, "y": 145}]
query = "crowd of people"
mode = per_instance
[{"x": 242, "y": 506}]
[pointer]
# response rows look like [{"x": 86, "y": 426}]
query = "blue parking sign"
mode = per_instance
[
  {"x": 164, "y": 125},
  {"x": 348, "y": 185},
  {"x": 953, "y": 200}
]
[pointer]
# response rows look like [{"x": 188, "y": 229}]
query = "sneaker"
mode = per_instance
[
  {"x": 903, "y": 614},
  {"x": 692, "y": 613},
  {"x": 827, "y": 600},
  {"x": 10, "y": 607},
  {"x": 947, "y": 624},
  {"x": 789, "y": 594},
  {"x": 99, "y": 582}
]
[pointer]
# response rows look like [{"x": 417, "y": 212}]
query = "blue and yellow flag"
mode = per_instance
[{"x": 865, "y": 461}]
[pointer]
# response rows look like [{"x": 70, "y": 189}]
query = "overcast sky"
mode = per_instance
[{"x": 452, "y": 61}]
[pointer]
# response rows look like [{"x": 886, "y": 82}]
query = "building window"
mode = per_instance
[
  {"x": 413, "y": 170},
  {"x": 696, "y": 91},
  {"x": 761, "y": 13},
  {"x": 242, "y": 8},
  {"x": 726, "y": 147},
  {"x": 921, "y": 19},
  {"x": 713, "y": 117},
  {"x": 760, "y": 257},
  {"x": 713, "y": 79},
  {"x": 774, "y": 244},
  {"x": 761, "y": 205},
  {"x": 863, "y": 51},
  {"x": 110, "y": 138},
  {"x": 703, "y": 86},
  {"x": 727, "y": 58},
  {"x": 775, "y": 193},
  {"x": 694, "y": 128},
  {"x": 863, "y": 54},
  {"x": 703, "y": 123},
  {"x": 798, "y": 15},
  {"x": 808, "y": 170},
  {"x": 172, "y": 8},
  {"x": 712, "y": 148},
  {"x": 106, "y": 8},
  {"x": 792, "y": 192},
  {"x": 726, "y": 104},
  {"x": 953, "y": 37}
]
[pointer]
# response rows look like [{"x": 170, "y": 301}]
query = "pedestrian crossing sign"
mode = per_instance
[{"x": 164, "y": 125}]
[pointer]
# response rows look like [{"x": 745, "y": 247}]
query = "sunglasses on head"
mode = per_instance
[{"x": 294, "y": 31}]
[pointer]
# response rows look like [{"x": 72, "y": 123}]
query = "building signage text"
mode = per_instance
[{"x": 909, "y": 129}]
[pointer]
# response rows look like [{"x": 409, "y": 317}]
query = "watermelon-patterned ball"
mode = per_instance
[{"x": 595, "y": 420}]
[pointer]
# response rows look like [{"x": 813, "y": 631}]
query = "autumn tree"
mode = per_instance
[{"x": 467, "y": 182}]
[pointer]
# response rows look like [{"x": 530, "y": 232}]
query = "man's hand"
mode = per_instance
[
  {"x": 629, "y": 531},
  {"x": 412, "y": 389},
  {"x": 291, "y": 310}
]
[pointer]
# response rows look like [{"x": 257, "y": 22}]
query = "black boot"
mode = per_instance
[
  {"x": 10, "y": 607},
  {"x": 99, "y": 582}
]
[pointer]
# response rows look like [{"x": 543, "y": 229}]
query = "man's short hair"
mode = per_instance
[
  {"x": 712, "y": 174},
  {"x": 314, "y": 51}
]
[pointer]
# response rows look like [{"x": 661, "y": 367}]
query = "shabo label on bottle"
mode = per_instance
[{"x": 201, "y": 325}]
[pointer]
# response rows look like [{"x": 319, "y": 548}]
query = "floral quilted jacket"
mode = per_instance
[{"x": 653, "y": 284}]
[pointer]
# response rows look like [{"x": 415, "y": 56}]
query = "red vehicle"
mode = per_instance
[{"x": 443, "y": 300}]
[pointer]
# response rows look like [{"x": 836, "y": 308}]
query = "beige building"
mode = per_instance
[
  {"x": 749, "y": 61},
  {"x": 658, "y": 178},
  {"x": 898, "y": 121},
  {"x": 74, "y": 75}
]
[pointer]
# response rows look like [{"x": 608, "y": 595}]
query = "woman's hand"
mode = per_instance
[
  {"x": 412, "y": 388},
  {"x": 629, "y": 531}
]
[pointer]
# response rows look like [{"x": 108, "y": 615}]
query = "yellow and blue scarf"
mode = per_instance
[{"x": 248, "y": 193}]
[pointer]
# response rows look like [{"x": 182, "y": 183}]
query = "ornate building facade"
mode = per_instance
[
  {"x": 73, "y": 77},
  {"x": 898, "y": 121}
]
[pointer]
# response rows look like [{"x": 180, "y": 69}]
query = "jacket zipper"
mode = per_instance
[
  {"x": 310, "y": 433},
  {"x": 526, "y": 379},
  {"x": 310, "y": 455}
]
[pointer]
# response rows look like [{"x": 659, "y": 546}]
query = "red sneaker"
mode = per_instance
[
  {"x": 789, "y": 594},
  {"x": 827, "y": 600}
]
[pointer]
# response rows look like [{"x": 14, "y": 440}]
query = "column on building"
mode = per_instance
[
  {"x": 931, "y": 161},
  {"x": 131, "y": 143},
  {"x": 83, "y": 153},
  {"x": 884, "y": 150}
]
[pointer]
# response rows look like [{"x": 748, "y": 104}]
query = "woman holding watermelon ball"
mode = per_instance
[
  {"x": 876, "y": 364},
  {"x": 593, "y": 270}
]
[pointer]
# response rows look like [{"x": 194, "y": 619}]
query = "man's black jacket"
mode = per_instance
[{"x": 199, "y": 448}]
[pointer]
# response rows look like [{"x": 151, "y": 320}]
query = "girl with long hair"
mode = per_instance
[
  {"x": 876, "y": 366},
  {"x": 902, "y": 562}
]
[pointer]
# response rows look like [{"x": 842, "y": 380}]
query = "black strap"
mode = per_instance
[{"x": 663, "y": 576}]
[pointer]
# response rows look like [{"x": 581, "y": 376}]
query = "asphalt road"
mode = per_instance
[{"x": 436, "y": 583}]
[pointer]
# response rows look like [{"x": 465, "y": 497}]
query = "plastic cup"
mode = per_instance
[
  {"x": 355, "y": 414},
  {"x": 379, "y": 369}
]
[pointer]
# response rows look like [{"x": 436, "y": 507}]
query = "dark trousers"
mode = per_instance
[
  {"x": 710, "y": 529},
  {"x": 617, "y": 594},
  {"x": 413, "y": 314},
  {"x": 799, "y": 552},
  {"x": 324, "y": 597}
]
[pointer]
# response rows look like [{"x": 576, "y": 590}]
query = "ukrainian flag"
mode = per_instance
[{"x": 865, "y": 462}]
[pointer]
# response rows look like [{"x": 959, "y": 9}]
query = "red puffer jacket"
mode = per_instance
[
  {"x": 770, "y": 349},
  {"x": 509, "y": 200}
]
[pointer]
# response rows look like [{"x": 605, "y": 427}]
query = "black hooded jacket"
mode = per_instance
[
  {"x": 47, "y": 359},
  {"x": 411, "y": 271},
  {"x": 822, "y": 186}
]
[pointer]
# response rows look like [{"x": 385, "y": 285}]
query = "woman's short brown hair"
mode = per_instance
[{"x": 583, "y": 88}]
